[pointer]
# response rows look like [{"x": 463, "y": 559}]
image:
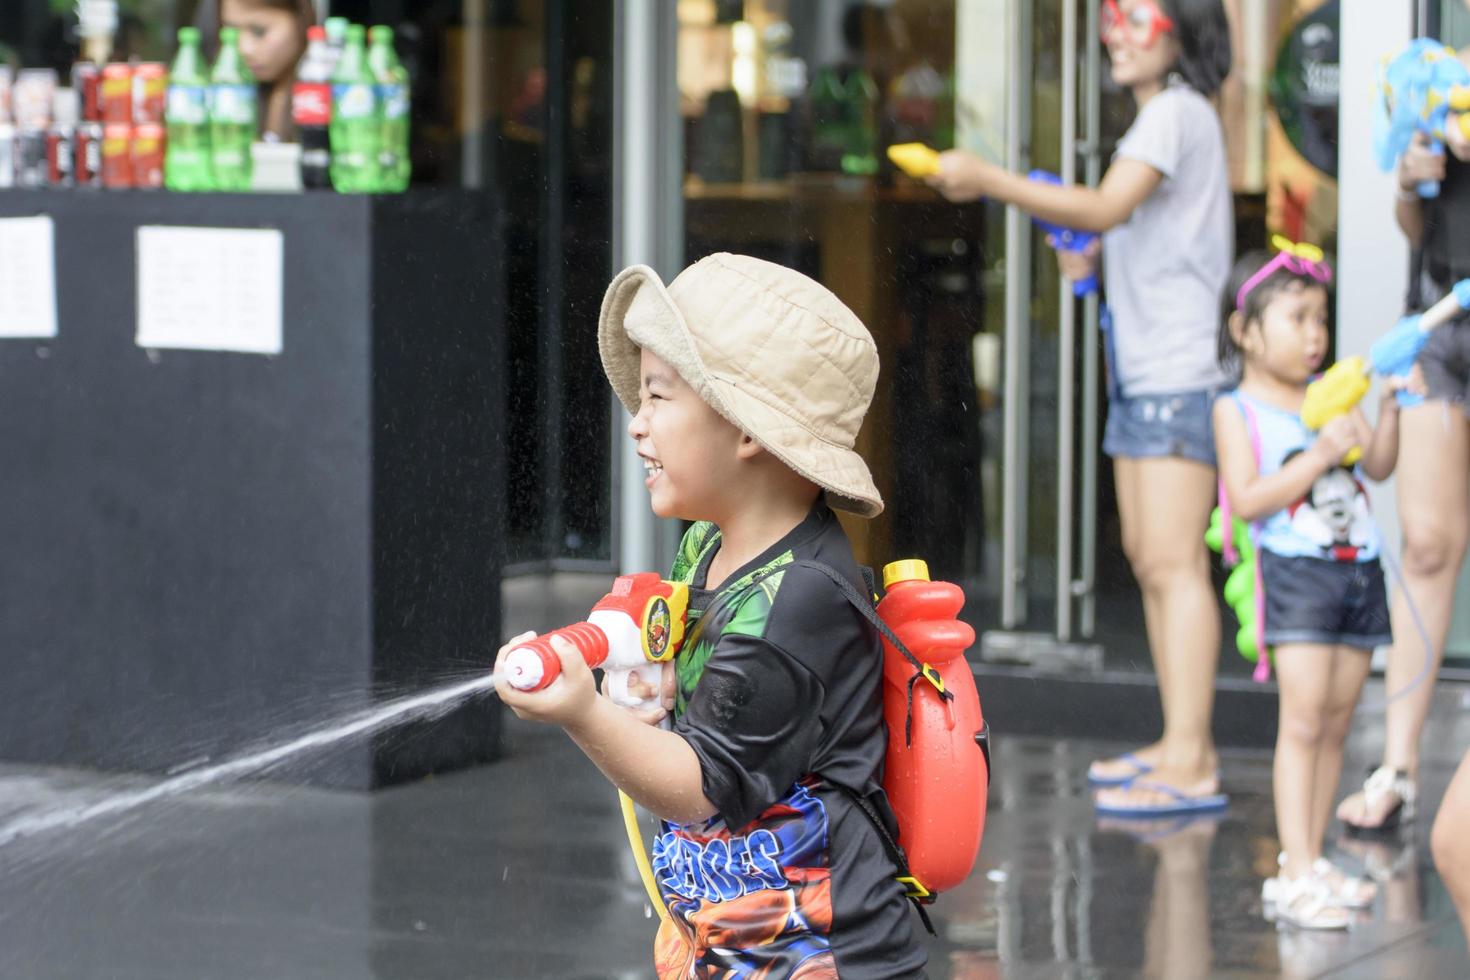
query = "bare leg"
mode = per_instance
[
  {"x": 1349, "y": 670},
  {"x": 1164, "y": 529},
  {"x": 1433, "y": 495},
  {"x": 1128, "y": 482},
  {"x": 1451, "y": 846},
  {"x": 1303, "y": 674}
]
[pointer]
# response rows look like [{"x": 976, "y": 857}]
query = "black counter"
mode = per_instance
[{"x": 203, "y": 550}]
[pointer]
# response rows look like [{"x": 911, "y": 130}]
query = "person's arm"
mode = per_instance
[
  {"x": 1253, "y": 496},
  {"x": 657, "y": 768},
  {"x": 1127, "y": 184},
  {"x": 1382, "y": 441}
]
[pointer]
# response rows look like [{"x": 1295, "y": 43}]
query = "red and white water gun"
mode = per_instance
[{"x": 641, "y": 621}]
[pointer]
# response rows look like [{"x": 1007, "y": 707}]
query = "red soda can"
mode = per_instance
[
  {"x": 88, "y": 143},
  {"x": 147, "y": 153},
  {"x": 86, "y": 81},
  {"x": 61, "y": 157},
  {"x": 117, "y": 156},
  {"x": 117, "y": 94},
  {"x": 150, "y": 91}
]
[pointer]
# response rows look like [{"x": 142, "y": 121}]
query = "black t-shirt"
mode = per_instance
[{"x": 779, "y": 697}]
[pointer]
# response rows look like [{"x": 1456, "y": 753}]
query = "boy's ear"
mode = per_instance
[{"x": 748, "y": 448}]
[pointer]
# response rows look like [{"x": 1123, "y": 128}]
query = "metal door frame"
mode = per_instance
[{"x": 1076, "y": 498}]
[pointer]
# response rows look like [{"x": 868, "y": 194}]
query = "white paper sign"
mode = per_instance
[
  {"x": 210, "y": 288},
  {"x": 27, "y": 277}
]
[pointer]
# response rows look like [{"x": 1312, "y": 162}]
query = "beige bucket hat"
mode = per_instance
[{"x": 771, "y": 350}]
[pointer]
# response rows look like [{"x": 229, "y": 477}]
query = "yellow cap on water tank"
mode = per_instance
[{"x": 905, "y": 570}]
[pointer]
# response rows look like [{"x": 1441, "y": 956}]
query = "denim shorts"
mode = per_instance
[
  {"x": 1314, "y": 600},
  {"x": 1179, "y": 423}
]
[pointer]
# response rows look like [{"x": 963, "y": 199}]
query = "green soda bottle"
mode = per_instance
[
  {"x": 393, "y": 102},
  {"x": 860, "y": 97},
  {"x": 232, "y": 115},
  {"x": 356, "y": 129},
  {"x": 186, "y": 114}
]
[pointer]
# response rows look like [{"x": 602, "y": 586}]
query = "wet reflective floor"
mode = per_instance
[{"x": 520, "y": 870}]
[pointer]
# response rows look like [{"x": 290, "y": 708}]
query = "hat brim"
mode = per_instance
[{"x": 661, "y": 328}]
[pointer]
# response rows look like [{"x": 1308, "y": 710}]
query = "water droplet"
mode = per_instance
[{"x": 996, "y": 875}]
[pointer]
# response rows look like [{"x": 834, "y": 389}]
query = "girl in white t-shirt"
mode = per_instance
[{"x": 1164, "y": 211}]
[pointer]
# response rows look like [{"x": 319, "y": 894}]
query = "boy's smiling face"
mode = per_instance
[{"x": 690, "y": 453}]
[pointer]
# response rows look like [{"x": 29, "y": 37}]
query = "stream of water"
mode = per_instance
[{"x": 394, "y": 712}]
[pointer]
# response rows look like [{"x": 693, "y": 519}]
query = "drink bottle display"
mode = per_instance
[
  {"x": 393, "y": 102},
  {"x": 311, "y": 108},
  {"x": 61, "y": 139},
  {"x": 356, "y": 126},
  {"x": 232, "y": 115},
  {"x": 336, "y": 28},
  {"x": 861, "y": 99},
  {"x": 186, "y": 114}
]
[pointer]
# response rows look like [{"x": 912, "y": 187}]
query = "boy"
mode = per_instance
[{"x": 749, "y": 382}]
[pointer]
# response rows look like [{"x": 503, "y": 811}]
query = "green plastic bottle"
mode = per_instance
[
  {"x": 186, "y": 161},
  {"x": 394, "y": 163},
  {"x": 861, "y": 99},
  {"x": 232, "y": 115},
  {"x": 356, "y": 129}
]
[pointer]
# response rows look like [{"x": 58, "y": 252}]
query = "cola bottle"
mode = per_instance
[{"x": 311, "y": 107}]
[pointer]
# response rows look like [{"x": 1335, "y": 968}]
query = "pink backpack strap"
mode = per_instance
[{"x": 1263, "y": 657}]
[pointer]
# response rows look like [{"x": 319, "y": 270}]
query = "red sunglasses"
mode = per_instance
[{"x": 1143, "y": 23}]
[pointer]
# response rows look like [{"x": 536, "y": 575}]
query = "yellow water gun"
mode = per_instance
[
  {"x": 915, "y": 159},
  {"x": 1344, "y": 384}
]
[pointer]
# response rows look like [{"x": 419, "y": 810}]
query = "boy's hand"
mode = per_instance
[
  {"x": 566, "y": 699},
  {"x": 656, "y": 683},
  {"x": 1335, "y": 440}
]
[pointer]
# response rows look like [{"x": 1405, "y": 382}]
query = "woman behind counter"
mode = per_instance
[{"x": 272, "y": 41}]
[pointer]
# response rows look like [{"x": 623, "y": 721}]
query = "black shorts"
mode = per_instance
[
  {"x": 1445, "y": 362},
  {"x": 1313, "y": 600}
]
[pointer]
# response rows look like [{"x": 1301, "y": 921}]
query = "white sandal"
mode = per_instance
[
  {"x": 1342, "y": 889},
  {"x": 1381, "y": 783},
  {"x": 1304, "y": 903}
]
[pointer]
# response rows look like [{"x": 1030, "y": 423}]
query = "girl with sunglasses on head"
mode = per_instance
[
  {"x": 1322, "y": 595},
  {"x": 1164, "y": 209}
]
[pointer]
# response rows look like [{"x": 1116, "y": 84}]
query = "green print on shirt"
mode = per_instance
[{"x": 735, "y": 614}]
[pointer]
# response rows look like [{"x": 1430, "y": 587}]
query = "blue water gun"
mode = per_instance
[
  {"x": 1067, "y": 239},
  {"x": 1420, "y": 87}
]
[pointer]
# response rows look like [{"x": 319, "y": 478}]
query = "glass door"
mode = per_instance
[
  {"x": 1046, "y": 604},
  {"x": 983, "y": 432}
]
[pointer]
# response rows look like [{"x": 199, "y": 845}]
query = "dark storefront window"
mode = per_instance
[{"x": 513, "y": 97}]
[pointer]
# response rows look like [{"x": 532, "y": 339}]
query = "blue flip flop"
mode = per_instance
[
  {"x": 1179, "y": 803},
  {"x": 1140, "y": 768},
  {"x": 1150, "y": 830}
]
